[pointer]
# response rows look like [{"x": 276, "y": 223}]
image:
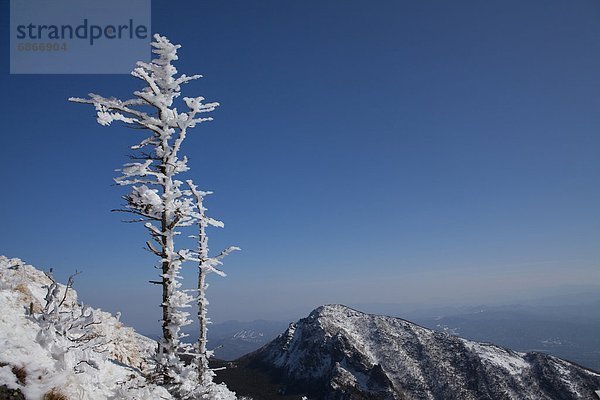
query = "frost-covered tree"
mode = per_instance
[
  {"x": 157, "y": 198},
  {"x": 206, "y": 265},
  {"x": 66, "y": 330}
]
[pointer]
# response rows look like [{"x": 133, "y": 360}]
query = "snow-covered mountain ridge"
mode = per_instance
[{"x": 340, "y": 353}]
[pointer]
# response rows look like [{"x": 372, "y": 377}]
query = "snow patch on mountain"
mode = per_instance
[
  {"x": 498, "y": 357},
  {"x": 248, "y": 335}
]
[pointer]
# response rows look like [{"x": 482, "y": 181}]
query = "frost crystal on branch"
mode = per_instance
[{"x": 157, "y": 199}]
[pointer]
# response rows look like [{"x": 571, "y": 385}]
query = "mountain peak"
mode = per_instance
[{"x": 331, "y": 310}]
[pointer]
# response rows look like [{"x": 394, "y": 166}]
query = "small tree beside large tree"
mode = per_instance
[{"x": 166, "y": 205}]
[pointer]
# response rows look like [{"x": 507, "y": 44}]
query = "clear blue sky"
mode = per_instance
[{"x": 386, "y": 151}]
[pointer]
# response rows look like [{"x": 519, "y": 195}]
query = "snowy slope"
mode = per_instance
[
  {"x": 118, "y": 369},
  {"x": 110, "y": 361},
  {"x": 339, "y": 353}
]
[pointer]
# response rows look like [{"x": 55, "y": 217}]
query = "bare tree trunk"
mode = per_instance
[
  {"x": 168, "y": 348},
  {"x": 166, "y": 315},
  {"x": 202, "y": 338}
]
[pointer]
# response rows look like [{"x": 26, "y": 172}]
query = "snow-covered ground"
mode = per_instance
[{"x": 113, "y": 369}]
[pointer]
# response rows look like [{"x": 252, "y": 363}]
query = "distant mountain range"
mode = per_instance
[
  {"x": 233, "y": 339},
  {"x": 571, "y": 332},
  {"x": 340, "y": 353}
]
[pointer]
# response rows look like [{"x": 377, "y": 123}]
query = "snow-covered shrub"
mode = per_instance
[
  {"x": 32, "y": 368},
  {"x": 66, "y": 331}
]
